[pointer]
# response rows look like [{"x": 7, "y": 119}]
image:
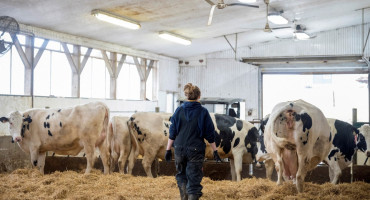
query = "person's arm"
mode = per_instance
[{"x": 170, "y": 143}]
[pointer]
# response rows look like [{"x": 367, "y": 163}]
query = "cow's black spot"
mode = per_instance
[
  {"x": 49, "y": 133},
  {"x": 167, "y": 125},
  {"x": 12, "y": 140},
  {"x": 304, "y": 142},
  {"x": 35, "y": 163},
  {"x": 47, "y": 117},
  {"x": 361, "y": 145},
  {"x": 44, "y": 124},
  {"x": 276, "y": 133},
  {"x": 60, "y": 124},
  {"x": 301, "y": 138},
  {"x": 335, "y": 158},
  {"x": 344, "y": 140},
  {"x": 165, "y": 133},
  {"x": 332, "y": 153},
  {"x": 224, "y": 120},
  {"x": 291, "y": 104},
  {"x": 132, "y": 118},
  {"x": 236, "y": 142},
  {"x": 59, "y": 110},
  {"x": 22, "y": 131},
  {"x": 47, "y": 124},
  {"x": 251, "y": 139},
  {"x": 330, "y": 137},
  {"x": 28, "y": 119},
  {"x": 28, "y": 126},
  {"x": 307, "y": 121},
  {"x": 261, "y": 140},
  {"x": 239, "y": 124},
  {"x": 297, "y": 117},
  {"x": 317, "y": 138},
  {"x": 144, "y": 134}
]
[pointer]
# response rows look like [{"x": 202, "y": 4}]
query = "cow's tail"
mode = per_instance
[
  {"x": 104, "y": 131},
  {"x": 134, "y": 151},
  {"x": 276, "y": 115}
]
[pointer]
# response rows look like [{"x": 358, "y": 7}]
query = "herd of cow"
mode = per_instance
[{"x": 294, "y": 139}]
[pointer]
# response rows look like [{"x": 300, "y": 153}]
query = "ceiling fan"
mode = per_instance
[
  {"x": 10, "y": 25},
  {"x": 300, "y": 33},
  {"x": 267, "y": 27},
  {"x": 221, "y": 5}
]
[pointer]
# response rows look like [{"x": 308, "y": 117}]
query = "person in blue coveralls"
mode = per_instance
[{"x": 191, "y": 124}]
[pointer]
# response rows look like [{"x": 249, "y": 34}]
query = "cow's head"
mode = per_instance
[
  {"x": 363, "y": 141},
  {"x": 15, "y": 121}
]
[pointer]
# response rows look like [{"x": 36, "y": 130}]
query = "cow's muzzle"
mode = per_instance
[{"x": 18, "y": 139}]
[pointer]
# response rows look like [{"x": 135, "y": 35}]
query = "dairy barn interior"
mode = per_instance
[{"x": 60, "y": 54}]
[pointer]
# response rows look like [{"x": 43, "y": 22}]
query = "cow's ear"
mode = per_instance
[{"x": 4, "y": 119}]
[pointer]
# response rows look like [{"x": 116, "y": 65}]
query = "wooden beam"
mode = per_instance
[
  {"x": 20, "y": 51},
  {"x": 40, "y": 52},
  {"x": 86, "y": 57},
  {"x": 69, "y": 58}
]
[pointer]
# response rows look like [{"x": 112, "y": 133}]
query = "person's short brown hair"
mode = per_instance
[{"x": 192, "y": 92}]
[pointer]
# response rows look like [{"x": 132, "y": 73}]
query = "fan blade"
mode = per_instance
[
  {"x": 210, "y": 2},
  {"x": 211, "y": 15},
  {"x": 281, "y": 27},
  {"x": 242, "y": 4}
]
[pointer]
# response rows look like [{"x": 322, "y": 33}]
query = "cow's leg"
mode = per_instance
[
  {"x": 104, "y": 155},
  {"x": 232, "y": 170},
  {"x": 122, "y": 160},
  {"x": 113, "y": 161},
  {"x": 279, "y": 168},
  {"x": 238, "y": 164},
  {"x": 34, "y": 151},
  {"x": 269, "y": 165},
  {"x": 131, "y": 162},
  {"x": 147, "y": 162},
  {"x": 90, "y": 157},
  {"x": 41, "y": 162},
  {"x": 334, "y": 172},
  {"x": 301, "y": 173}
]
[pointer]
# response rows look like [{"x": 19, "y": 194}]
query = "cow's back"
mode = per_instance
[{"x": 63, "y": 130}]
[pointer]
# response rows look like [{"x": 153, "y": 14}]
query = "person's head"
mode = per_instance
[{"x": 192, "y": 92}]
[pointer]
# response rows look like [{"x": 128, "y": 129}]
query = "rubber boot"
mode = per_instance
[
  {"x": 193, "y": 197},
  {"x": 183, "y": 193}
]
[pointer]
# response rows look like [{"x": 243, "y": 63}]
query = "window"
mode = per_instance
[
  {"x": 336, "y": 94},
  {"x": 128, "y": 83},
  {"x": 5, "y": 73},
  {"x": 42, "y": 75},
  {"x": 61, "y": 75},
  {"x": 16, "y": 73}
]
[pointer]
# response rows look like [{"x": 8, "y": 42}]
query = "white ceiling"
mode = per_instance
[{"x": 185, "y": 17}]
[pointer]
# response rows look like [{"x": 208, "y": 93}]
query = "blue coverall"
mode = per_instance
[{"x": 191, "y": 124}]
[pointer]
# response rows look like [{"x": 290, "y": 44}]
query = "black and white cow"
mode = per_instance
[
  {"x": 346, "y": 140},
  {"x": 297, "y": 137},
  {"x": 235, "y": 139}
]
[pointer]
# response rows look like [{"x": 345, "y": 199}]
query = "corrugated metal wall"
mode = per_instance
[
  {"x": 344, "y": 41},
  {"x": 224, "y": 78},
  {"x": 168, "y": 74}
]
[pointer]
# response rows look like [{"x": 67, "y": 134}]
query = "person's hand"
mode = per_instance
[
  {"x": 168, "y": 155},
  {"x": 216, "y": 156}
]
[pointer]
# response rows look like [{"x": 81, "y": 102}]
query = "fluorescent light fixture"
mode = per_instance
[
  {"x": 277, "y": 18},
  {"x": 248, "y": 1},
  {"x": 174, "y": 38},
  {"x": 115, "y": 19},
  {"x": 302, "y": 35}
]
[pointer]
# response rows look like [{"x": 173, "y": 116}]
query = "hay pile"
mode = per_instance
[{"x": 30, "y": 184}]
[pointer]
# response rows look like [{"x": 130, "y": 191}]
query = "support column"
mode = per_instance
[
  {"x": 76, "y": 66},
  {"x": 144, "y": 71},
  {"x": 114, "y": 69}
]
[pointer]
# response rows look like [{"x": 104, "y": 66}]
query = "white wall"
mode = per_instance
[{"x": 168, "y": 78}]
